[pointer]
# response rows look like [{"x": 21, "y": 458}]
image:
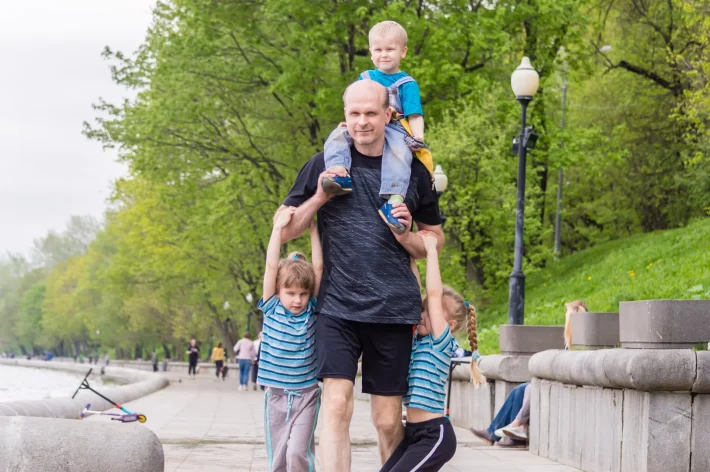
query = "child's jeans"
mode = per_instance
[
  {"x": 396, "y": 159},
  {"x": 290, "y": 418}
]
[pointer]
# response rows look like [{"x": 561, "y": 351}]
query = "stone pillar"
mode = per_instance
[{"x": 595, "y": 330}]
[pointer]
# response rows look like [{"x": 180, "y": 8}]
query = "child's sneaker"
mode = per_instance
[
  {"x": 385, "y": 212},
  {"x": 338, "y": 185}
]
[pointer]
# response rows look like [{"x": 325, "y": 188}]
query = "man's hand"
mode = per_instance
[
  {"x": 283, "y": 216},
  {"x": 401, "y": 212},
  {"x": 429, "y": 239},
  {"x": 334, "y": 172}
]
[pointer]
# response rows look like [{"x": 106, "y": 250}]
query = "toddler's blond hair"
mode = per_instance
[{"x": 388, "y": 28}]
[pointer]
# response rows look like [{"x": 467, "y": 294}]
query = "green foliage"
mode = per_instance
[
  {"x": 231, "y": 98},
  {"x": 672, "y": 264}
]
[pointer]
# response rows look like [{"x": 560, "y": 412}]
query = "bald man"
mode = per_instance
[{"x": 369, "y": 299}]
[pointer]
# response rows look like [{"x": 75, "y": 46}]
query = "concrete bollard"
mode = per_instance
[{"x": 57, "y": 445}]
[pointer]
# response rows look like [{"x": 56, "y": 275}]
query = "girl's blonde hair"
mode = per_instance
[
  {"x": 464, "y": 314},
  {"x": 296, "y": 271},
  {"x": 576, "y": 306}
]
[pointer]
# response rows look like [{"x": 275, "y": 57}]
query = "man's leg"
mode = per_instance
[
  {"x": 338, "y": 348},
  {"x": 387, "y": 418},
  {"x": 385, "y": 366},
  {"x": 335, "y": 433}
]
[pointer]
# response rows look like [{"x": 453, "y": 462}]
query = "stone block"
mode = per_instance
[
  {"x": 669, "y": 440},
  {"x": 553, "y": 435},
  {"x": 534, "y": 427},
  {"x": 702, "y": 376},
  {"x": 47, "y": 444},
  {"x": 664, "y": 324},
  {"x": 634, "y": 448},
  {"x": 699, "y": 445},
  {"x": 511, "y": 368},
  {"x": 544, "y": 426},
  {"x": 566, "y": 426},
  {"x": 471, "y": 406},
  {"x": 608, "y": 428},
  {"x": 591, "y": 396},
  {"x": 595, "y": 330},
  {"x": 502, "y": 391},
  {"x": 529, "y": 339}
]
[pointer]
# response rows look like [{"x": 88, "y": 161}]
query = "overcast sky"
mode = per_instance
[{"x": 51, "y": 71}]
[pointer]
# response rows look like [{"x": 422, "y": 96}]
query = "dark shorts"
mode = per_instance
[{"x": 385, "y": 349}]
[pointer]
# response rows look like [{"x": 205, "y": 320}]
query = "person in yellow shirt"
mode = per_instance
[{"x": 218, "y": 357}]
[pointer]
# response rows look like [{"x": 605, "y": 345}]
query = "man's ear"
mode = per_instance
[{"x": 388, "y": 113}]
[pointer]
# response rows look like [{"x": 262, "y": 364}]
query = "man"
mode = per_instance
[
  {"x": 369, "y": 299},
  {"x": 193, "y": 352}
]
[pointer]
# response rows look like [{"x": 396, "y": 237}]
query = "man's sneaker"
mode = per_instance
[
  {"x": 338, "y": 185},
  {"x": 483, "y": 435},
  {"x": 385, "y": 212}
]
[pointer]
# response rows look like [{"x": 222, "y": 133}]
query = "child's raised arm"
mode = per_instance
[
  {"x": 316, "y": 255},
  {"x": 273, "y": 252},
  {"x": 434, "y": 286}
]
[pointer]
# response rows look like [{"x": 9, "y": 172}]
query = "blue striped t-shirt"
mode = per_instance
[
  {"x": 429, "y": 371},
  {"x": 288, "y": 350}
]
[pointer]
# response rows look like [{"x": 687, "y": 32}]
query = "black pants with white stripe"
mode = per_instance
[{"x": 426, "y": 447}]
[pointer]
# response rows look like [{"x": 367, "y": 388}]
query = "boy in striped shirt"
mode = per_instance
[
  {"x": 287, "y": 363},
  {"x": 429, "y": 440}
]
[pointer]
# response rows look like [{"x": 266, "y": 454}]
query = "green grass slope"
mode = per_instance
[{"x": 673, "y": 264}]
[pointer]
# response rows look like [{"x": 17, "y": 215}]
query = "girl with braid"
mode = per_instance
[{"x": 429, "y": 440}]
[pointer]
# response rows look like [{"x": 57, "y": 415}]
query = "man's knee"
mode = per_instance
[
  {"x": 387, "y": 415},
  {"x": 338, "y": 400}
]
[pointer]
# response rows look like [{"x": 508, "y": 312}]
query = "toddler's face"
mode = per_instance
[
  {"x": 387, "y": 52},
  {"x": 294, "y": 299}
]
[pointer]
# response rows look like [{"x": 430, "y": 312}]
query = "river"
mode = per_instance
[{"x": 28, "y": 383}]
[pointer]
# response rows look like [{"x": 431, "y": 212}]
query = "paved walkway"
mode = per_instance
[{"x": 207, "y": 426}]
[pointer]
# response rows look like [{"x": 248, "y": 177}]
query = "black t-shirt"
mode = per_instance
[
  {"x": 193, "y": 354},
  {"x": 366, "y": 275}
]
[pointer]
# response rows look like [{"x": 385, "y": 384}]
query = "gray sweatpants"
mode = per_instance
[{"x": 290, "y": 418}]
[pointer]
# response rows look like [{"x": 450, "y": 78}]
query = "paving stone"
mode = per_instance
[{"x": 207, "y": 426}]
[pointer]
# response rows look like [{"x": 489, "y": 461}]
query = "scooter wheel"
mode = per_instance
[{"x": 141, "y": 418}]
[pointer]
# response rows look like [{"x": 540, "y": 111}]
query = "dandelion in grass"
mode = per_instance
[{"x": 589, "y": 278}]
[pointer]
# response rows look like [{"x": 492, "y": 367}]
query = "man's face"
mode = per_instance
[
  {"x": 365, "y": 116},
  {"x": 387, "y": 52}
]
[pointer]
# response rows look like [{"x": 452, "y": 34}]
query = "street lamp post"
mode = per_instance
[
  {"x": 250, "y": 299},
  {"x": 524, "y": 81},
  {"x": 441, "y": 181}
]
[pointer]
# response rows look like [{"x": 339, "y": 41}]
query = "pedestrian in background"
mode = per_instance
[
  {"x": 194, "y": 353},
  {"x": 218, "y": 358},
  {"x": 154, "y": 360},
  {"x": 246, "y": 354},
  {"x": 257, "y": 348}
]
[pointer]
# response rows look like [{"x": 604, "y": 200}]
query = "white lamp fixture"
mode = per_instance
[
  {"x": 249, "y": 297},
  {"x": 441, "y": 181},
  {"x": 525, "y": 79}
]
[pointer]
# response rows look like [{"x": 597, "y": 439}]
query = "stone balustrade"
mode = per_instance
[{"x": 644, "y": 407}]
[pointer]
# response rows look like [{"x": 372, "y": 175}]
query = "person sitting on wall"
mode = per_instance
[{"x": 510, "y": 426}]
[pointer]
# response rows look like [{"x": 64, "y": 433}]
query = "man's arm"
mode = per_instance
[
  {"x": 305, "y": 213},
  {"x": 410, "y": 241}
]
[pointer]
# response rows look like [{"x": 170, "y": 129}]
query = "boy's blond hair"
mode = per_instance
[{"x": 388, "y": 28}]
